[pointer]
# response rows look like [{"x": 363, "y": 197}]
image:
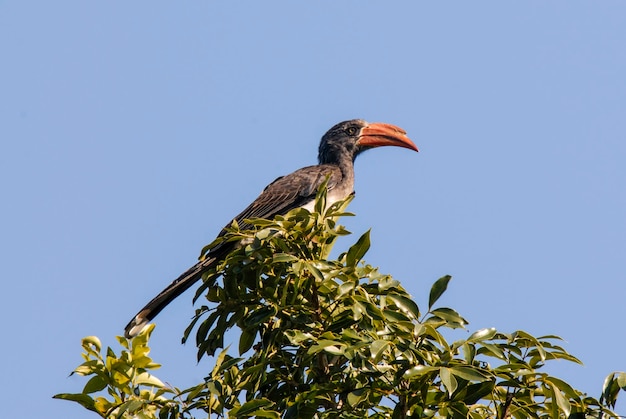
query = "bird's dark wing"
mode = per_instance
[{"x": 288, "y": 192}]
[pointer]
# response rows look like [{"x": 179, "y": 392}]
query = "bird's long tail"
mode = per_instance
[{"x": 173, "y": 290}]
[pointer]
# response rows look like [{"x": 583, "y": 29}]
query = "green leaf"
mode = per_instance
[
  {"x": 378, "y": 348},
  {"x": 405, "y": 304},
  {"x": 449, "y": 315},
  {"x": 563, "y": 404},
  {"x": 469, "y": 352},
  {"x": 482, "y": 334},
  {"x": 92, "y": 341},
  {"x": 283, "y": 257},
  {"x": 394, "y": 316},
  {"x": 249, "y": 408},
  {"x": 264, "y": 413},
  {"x": 219, "y": 360},
  {"x": 386, "y": 283},
  {"x": 418, "y": 371},
  {"x": 148, "y": 380},
  {"x": 229, "y": 362},
  {"x": 82, "y": 399},
  {"x": 95, "y": 384},
  {"x": 259, "y": 317},
  {"x": 90, "y": 367},
  {"x": 491, "y": 349},
  {"x": 355, "y": 397},
  {"x": 475, "y": 392},
  {"x": 130, "y": 406},
  {"x": 246, "y": 340},
  {"x": 448, "y": 380},
  {"x": 330, "y": 346},
  {"x": 358, "y": 250},
  {"x": 319, "y": 276},
  {"x": 469, "y": 373},
  {"x": 610, "y": 388},
  {"x": 438, "y": 288},
  {"x": 563, "y": 386},
  {"x": 345, "y": 288}
]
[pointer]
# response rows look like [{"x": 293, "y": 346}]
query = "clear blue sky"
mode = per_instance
[{"x": 132, "y": 131}]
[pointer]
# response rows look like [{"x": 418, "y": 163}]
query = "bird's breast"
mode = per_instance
[{"x": 338, "y": 193}]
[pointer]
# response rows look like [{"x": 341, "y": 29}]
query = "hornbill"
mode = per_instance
[{"x": 337, "y": 151}]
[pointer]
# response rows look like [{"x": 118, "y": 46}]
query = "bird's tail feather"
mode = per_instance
[{"x": 173, "y": 290}]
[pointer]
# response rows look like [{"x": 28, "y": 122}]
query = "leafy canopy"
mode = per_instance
[{"x": 322, "y": 338}]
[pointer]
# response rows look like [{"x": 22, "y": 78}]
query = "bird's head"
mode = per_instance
[{"x": 349, "y": 138}]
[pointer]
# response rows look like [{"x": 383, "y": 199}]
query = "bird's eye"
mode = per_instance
[{"x": 351, "y": 131}]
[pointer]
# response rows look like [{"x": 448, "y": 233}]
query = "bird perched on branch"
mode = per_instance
[{"x": 337, "y": 151}]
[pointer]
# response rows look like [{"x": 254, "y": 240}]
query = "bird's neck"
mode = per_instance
[
  {"x": 344, "y": 187},
  {"x": 341, "y": 157},
  {"x": 339, "y": 154},
  {"x": 345, "y": 162}
]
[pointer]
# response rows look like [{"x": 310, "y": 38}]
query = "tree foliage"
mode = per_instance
[{"x": 322, "y": 338}]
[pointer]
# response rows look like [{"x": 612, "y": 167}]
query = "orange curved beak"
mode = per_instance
[{"x": 379, "y": 134}]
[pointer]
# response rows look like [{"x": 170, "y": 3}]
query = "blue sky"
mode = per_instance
[{"x": 132, "y": 131}]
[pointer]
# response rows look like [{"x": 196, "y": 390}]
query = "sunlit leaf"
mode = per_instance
[
  {"x": 356, "y": 396},
  {"x": 92, "y": 343},
  {"x": 469, "y": 373},
  {"x": 563, "y": 386},
  {"x": 418, "y": 371},
  {"x": 438, "y": 288},
  {"x": 490, "y": 349},
  {"x": 330, "y": 346},
  {"x": 448, "y": 380},
  {"x": 405, "y": 304},
  {"x": 449, "y": 315},
  {"x": 148, "y": 380},
  {"x": 283, "y": 258},
  {"x": 395, "y": 316},
  {"x": 95, "y": 384},
  {"x": 563, "y": 404},
  {"x": 250, "y": 407},
  {"x": 377, "y": 349},
  {"x": 358, "y": 250},
  {"x": 82, "y": 399},
  {"x": 264, "y": 413},
  {"x": 482, "y": 334},
  {"x": 319, "y": 276}
]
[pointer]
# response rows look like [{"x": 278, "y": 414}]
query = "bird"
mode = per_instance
[{"x": 338, "y": 149}]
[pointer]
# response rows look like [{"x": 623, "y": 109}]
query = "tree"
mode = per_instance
[{"x": 324, "y": 338}]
